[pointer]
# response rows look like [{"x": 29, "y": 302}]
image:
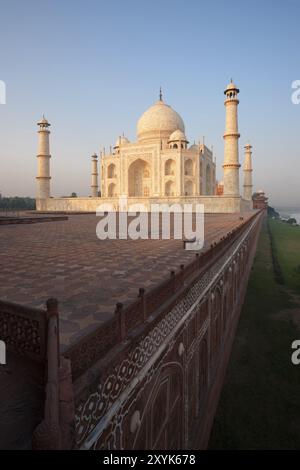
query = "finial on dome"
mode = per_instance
[{"x": 160, "y": 94}]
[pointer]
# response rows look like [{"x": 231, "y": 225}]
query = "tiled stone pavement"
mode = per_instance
[{"x": 66, "y": 260}]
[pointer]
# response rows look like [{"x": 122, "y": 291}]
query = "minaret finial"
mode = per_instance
[{"x": 160, "y": 94}]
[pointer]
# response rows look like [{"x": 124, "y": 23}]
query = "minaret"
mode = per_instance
[
  {"x": 94, "y": 185},
  {"x": 231, "y": 137},
  {"x": 248, "y": 173},
  {"x": 43, "y": 176}
]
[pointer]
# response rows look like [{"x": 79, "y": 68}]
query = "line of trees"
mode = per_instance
[{"x": 16, "y": 203}]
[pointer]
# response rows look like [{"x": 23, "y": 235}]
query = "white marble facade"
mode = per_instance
[{"x": 160, "y": 163}]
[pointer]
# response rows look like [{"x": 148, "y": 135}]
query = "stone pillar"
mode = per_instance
[
  {"x": 94, "y": 185},
  {"x": 248, "y": 173},
  {"x": 43, "y": 176},
  {"x": 231, "y": 164}
]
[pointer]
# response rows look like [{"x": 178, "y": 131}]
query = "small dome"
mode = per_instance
[
  {"x": 194, "y": 147},
  {"x": 177, "y": 135},
  {"x": 120, "y": 141},
  {"x": 43, "y": 122},
  {"x": 231, "y": 86},
  {"x": 159, "y": 121}
]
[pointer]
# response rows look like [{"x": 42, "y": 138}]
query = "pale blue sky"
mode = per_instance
[{"x": 93, "y": 67}]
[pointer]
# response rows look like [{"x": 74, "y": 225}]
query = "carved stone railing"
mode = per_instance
[
  {"x": 23, "y": 329},
  {"x": 212, "y": 300},
  {"x": 33, "y": 334},
  {"x": 96, "y": 344}
]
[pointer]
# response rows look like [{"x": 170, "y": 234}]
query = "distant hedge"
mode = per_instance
[
  {"x": 272, "y": 212},
  {"x": 16, "y": 203},
  {"x": 278, "y": 275}
]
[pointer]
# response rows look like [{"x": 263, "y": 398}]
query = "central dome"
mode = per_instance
[{"x": 158, "y": 122}]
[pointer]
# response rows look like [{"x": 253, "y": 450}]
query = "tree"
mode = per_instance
[
  {"x": 73, "y": 195},
  {"x": 272, "y": 212}
]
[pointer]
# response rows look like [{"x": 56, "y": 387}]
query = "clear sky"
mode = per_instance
[{"x": 93, "y": 67}]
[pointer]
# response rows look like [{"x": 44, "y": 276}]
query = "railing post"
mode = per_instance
[
  {"x": 143, "y": 303},
  {"x": 47, "y": 435},
  {"x": 66, "y": 404},
  {"x": 52, "y": 311},
  {"x": 119, "y": 311}
]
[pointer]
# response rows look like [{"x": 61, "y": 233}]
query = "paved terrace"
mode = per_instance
[{"x": 66, "y": 260}]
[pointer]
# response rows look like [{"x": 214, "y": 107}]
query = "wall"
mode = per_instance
[{"x": 213, "y": 204}]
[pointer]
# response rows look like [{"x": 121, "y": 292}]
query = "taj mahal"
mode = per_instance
[{"x": 159, "y": 167}]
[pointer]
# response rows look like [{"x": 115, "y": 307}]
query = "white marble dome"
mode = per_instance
[
  {"x": 159, "y": 121},
  {"x": 231, "y": 86},
  {"x": 194, "y": 147},
  {"x": 177, "y": 135},
  {"x": 120, "y": 141}
]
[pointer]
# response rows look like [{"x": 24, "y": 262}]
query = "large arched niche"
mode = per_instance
[
  {"x": 189, "y": 188},
  {"x": 170, "y": 167},
  {"x": 189, "y": 167},
  {"x": 139, "y": 175},
  {"x": 112, "y": 190},
  {"x": 170, "y": 188},
  {"x": 111, "y": 171}
]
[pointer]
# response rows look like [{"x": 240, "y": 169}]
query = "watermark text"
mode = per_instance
[
  {"x": 295, "y": 358},
  {"x": 2, "y": 92},
  {"x": 2, "y": 353},
  {"x": 157, "y": 222}
]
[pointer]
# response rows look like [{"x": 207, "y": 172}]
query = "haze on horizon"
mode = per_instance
[{"x": 94, "y": 67}]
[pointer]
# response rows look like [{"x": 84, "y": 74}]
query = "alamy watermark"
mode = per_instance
[
  {"x": 159, "y": 222},
  {"x": 295, "y": 97},
  {"x": 295, "y": 358},
  {"x": 2, "y": 92},
  {"x": 2, "y": 353}
]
